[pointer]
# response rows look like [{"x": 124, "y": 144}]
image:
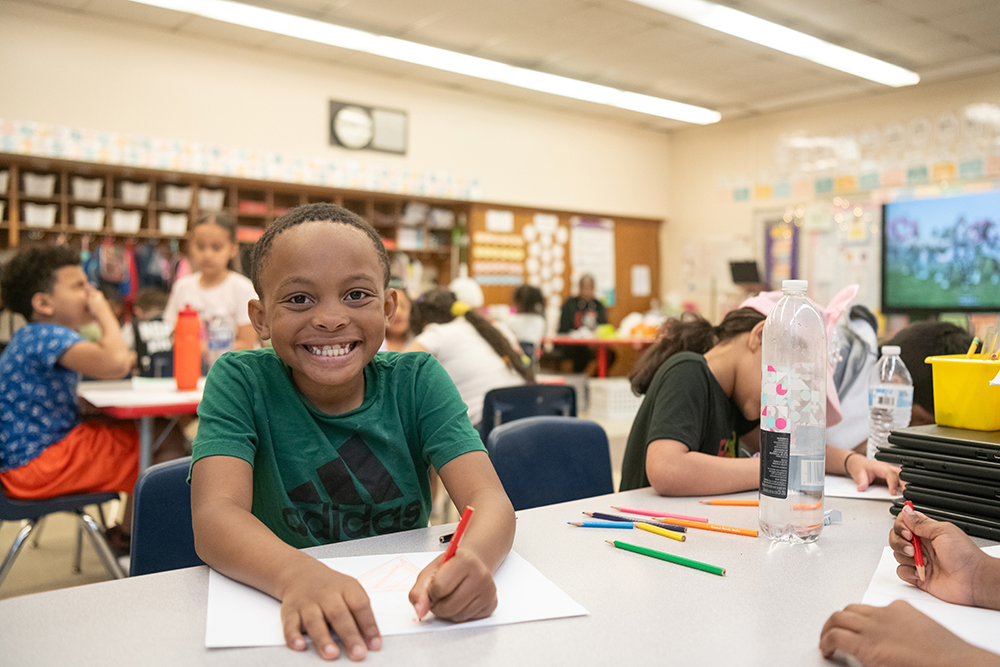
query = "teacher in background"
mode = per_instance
[{"x": 583, "y": 311}]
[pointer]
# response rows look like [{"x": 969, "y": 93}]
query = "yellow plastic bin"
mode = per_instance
[{"x": 963, "y": 395}]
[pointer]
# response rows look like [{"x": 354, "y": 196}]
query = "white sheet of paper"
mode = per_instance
[
  {"x": 242, "y": 616},
  {"x": 974, "y": 625},
  {"x": 836, "y": 486}
]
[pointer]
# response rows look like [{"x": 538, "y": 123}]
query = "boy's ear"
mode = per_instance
[
  {"x": 41, "y": 304},
  {"x": 390, "y": 305},
  {"x": 258, "y": 319},
  {"x": 755, "y": 341}
]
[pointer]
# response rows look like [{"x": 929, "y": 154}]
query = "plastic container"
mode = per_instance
[
  {"x": 187, "y": 349},
  {"x": 221, "y": 337},
  {"x": 2, "y": 203},
  {"x": 41, "y": 216},
  {"x": 173, "y": 224},
  {"x": 890, "y": 398},
  {"x": 612, "y": 398},
  {"x": 134, "y": 193},
  {"x": 793, "y": 418},
  {"x": 4, "y": 178},
  {"x": 39, "y": 185},
  {"x": 87, "y": 189},
  {"x": 177, "y": 196},
  {"x": 88, "y": 219},
  {"x": 126, "y": 222},
  {"x": 211, "y": 200},
  {"x": 963, "y": 395}
]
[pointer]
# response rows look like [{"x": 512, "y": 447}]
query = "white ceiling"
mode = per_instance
[{"x": 620, "y": 44}]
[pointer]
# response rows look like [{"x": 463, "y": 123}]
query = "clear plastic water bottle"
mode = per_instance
[
  {"x": 221, "y": 337},
  {"x": 793, "y": 418},
  {"x": 890, "y": 398}
]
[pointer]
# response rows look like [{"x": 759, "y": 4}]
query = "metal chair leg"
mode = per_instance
[
  {"x": 15, "y": 549},
  {"x": 37, "y": 533},
  {"x": 101, "y": 546},
  {"x": 78, "y": 551}
]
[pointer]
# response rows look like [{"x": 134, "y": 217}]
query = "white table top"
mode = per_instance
[
  {"x": 767, "y": 610},
  {"x": 137, "y": 392}
]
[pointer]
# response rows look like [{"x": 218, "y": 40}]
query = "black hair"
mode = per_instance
[
  {"x": 529, "y": 299},
  {"x": 927, "y": 339},
  {"x": 32, "y": 271},
  {"x": 435, "y": 306},
  {"x": 319, "y": 212},
  {"x": 220, "y": 218},
  {"x": 690, "y": 333}
]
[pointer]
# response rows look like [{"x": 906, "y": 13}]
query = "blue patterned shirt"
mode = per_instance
[{"x": 38, "y": 405}]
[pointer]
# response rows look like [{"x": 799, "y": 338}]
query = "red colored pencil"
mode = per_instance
[
  {"x": 453, "y": 544},
  {"x": 918, "y": 556}
]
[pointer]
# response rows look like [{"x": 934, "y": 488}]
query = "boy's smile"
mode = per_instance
[{"x": 325, "y": 309}]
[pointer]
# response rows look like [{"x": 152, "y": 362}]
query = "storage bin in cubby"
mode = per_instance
[
  {"x": 612, "y": 398},
  {"x": 126, "y": 222},
  {"x": 177, "y": 196},
  {"x": 4, "y": 177},
  {"x": 136, "y": 194},
  {"x": 211, "y": 200},
  {"x": 39, "y": 185},
  {"x": 173, "y": 224},
  {"x": 41, "y": 216},
  {"x": 88, "y": 219},
  {"x": 87, "y": 189}
]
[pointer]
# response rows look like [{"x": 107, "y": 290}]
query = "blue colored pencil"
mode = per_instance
[
  {"x": 618, "y": 517},
  {"x": 600, "y": 524}
]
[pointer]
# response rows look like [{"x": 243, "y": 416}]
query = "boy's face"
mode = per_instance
[
  {"x": 66, "y": 303},
  {"x": 325, "y": 309}
]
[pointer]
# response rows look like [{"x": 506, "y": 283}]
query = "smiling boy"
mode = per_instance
[{"x": 320, "y": 440}]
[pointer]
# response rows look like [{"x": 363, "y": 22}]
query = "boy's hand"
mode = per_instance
[
  {"x": 318, "y": 599},
  {"x": 99, "y": 306},
  {"x": 952, "y": 562},
  {"x": 460, "y": 590}
]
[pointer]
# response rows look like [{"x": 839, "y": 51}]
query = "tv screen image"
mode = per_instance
[{"x": 942, "y": 254}]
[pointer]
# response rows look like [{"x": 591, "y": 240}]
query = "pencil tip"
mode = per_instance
[{"x": 705, "y": 502}]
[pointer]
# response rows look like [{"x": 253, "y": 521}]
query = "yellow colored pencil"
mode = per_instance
[{"x": 672, "y": 534}]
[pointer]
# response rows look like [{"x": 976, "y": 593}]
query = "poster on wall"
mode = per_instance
[{"x": 592, "y": 250}]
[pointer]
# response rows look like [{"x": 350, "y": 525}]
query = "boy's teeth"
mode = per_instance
[{"x": 331, "y": 350}]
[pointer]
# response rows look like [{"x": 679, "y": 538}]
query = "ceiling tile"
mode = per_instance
[
  {"x": 131, "y": 12},
  {"x": 931, "y": 9},
  {"x": 228, "y": 32}
]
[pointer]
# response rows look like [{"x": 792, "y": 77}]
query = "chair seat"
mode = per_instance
[{"x": 12, "y": 509}]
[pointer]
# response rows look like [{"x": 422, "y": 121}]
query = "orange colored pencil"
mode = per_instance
[
  {"x": 716, "y": 527},
  {"x": 733, "y": 503},
  {"x": 808, "y": 506}
]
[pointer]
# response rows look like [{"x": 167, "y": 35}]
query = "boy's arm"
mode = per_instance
[
  {"x": 233, "y": 541},
  {"x": 462, "y": 589},
  {"x": 107, "y": 359}
]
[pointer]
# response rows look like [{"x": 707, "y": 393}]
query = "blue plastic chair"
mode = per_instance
[
  {"x": 548, "y": 460},
  {"x": 33, "y": 511},
  {"x": 508, "y": 404},
  {"x": 162, "y": 535}
]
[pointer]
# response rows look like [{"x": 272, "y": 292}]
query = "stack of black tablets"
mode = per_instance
[{"x": 951, "y": 474}]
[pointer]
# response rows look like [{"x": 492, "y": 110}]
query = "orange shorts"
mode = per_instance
[{"x": 95, "y": 456}]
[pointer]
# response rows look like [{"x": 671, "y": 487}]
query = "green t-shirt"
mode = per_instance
[
  {"x": 684, "y": 402},
  {"x": 321, "y": 478}
]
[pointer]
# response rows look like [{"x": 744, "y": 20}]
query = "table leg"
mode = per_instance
[
  {"x": 145, "y": 443},
  {"x": 602, "y": 361}
]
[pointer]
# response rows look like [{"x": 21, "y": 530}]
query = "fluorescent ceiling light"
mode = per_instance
[
  {"x": 778, "y": 37},
  {"x": 429, "y": 56}
]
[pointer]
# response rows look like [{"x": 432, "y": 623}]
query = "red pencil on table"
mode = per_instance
[
  {"x": 918, "y": 556},
  {"x": 453, "y": 544}
]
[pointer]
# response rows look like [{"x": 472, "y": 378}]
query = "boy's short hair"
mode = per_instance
[
  {"x": 927, "y": 339},
  {"x": 32, "y": 271},
  {"x": 319, "y": 212},
  {"x": 151, "y": 298}
]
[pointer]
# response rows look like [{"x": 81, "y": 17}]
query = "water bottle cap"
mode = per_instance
[
  {"x": 794, "y": 285},
  {"x": 889, "y": 350}
]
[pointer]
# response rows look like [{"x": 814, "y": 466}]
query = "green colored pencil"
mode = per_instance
[{"x": 653, "y": 553}]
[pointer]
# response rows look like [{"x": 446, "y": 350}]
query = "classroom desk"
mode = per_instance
[
  {"x": 119, "y": 400},
  {"x": 602, "y": 345},
  {"x": 767, "y": 610}
]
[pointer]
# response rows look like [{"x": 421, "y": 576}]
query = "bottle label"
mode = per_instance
[
  {"x": 890, "y": 397},
  {"x": 774, "y": 463},
  {"x": 790, "y": 395}
]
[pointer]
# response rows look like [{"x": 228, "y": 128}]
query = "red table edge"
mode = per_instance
[{"x": 138, "y": 411}]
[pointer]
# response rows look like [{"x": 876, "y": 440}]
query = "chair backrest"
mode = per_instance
[
  {"x": 547, "y": 460},
  {"x": 507, "y": 404},
  {"x": 162, "y": 536}
]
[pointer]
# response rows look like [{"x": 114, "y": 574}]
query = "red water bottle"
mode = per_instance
[{"x": 187, "y": 349}]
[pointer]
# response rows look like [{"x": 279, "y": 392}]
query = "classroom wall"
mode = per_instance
[
  {"x": 73, "y": 70},
  {"x": 704, "y": 160}
]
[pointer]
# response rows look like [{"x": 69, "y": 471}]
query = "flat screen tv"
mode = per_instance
[{"x": 941, "y": 254}]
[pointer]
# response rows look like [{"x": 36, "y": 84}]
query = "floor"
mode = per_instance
[{"x": 49, "y": 566}]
